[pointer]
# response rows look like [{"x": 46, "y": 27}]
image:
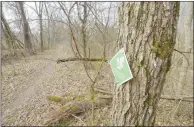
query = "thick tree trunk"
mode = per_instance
[
  {"x": 26, "y": 29},
  {"x": 148, "y": 31}
]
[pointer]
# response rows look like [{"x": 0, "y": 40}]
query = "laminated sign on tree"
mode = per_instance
[{"x": 120, "y": 68}]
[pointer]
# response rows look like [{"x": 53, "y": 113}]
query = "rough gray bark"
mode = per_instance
[
  {"x": 26, "y": 30},
  {"x": 148, "y": 31}
]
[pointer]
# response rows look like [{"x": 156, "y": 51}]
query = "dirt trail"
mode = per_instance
[{"x": 24, "y": 93}]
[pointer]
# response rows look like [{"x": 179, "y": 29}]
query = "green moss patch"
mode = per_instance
[{"x": 54, "y": 98}]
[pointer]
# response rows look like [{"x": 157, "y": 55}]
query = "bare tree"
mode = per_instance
[
  {"x": 26, "y": 29},
  {"x": 102, "y": 28},
  {"x": 48, "y": 25},
  {"x": 83, "y": 20},
  {"x": 68, "y": 13},
  {"x": 148, "y": 31},
  {"x": 12, "y": 41},
  {"x": 39, "y": 10}
]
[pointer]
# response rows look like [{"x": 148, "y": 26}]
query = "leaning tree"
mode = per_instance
[
  {"x": 12, "y": 41},
  {"x": 147, "y": 31}
]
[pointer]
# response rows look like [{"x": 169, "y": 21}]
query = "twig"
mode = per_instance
[
  {"x": 69, "y": 24},
  {"x": 181, "y": 51},
  {"x": 79, "y": 119},
  {"x": 39, "y": 59},
  {"x": 183, "y": 54},
  {"x": 12, "y": 87},
  {"x": 176, "y": 108}
]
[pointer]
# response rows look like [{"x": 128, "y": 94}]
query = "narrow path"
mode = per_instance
[
  {"x": 24, "y": 93},
  {"x": 26, "y": 103}
]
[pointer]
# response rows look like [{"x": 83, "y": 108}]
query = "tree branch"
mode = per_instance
[
  {"x": 178, "y": 99},
  {"x": 81, "y": 59},
  {"x": 183, "y": 54}
]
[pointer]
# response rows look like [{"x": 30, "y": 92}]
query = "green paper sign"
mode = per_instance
[{"x": 120, "y": 68}]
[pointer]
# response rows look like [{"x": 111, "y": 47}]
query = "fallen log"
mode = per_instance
[
  {"x": 79, "y": 105},
  {"x": 82, "y": 59},
  {"x": 66, "y": 112}
]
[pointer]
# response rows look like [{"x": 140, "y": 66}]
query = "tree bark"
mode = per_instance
[
  {"x": 39, "y": 12},
  {"x": 26, "y": 30},
  {"x": 148, "y": 31},
  {"x": 12, "y": 41},
  {"x": 41, "y": 33},
  {"x": 7, "y": 32},
  {"x": 84, "y": 20},
  {"x": 48, "y": 24}
]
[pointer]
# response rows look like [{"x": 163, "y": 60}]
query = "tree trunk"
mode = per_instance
[
  {"x": 41, "y": 28},
  {"x": 41, "y": 35},
  {"x": 148, "y": 31},
  {"x": 7, "y": 33},
  {"x": 26, "y": 30},
  {"x": 48, "y": 24},
  {"x": 84, "y": 29},
  {"x": 10, "y": 37}
]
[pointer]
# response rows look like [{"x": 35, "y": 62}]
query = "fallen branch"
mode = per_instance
[
  {"x": 182, "y": 53},
  {"x": 38, "y": 59},
  {"x": 102, "y": 91},
  {"x": 79, "y": 119},
  {"x": 81, "y": 59},
  {"x": 74, "y": 108},
  {"x": 67, "y": 110},
  {"x": 178, "y": 99}
]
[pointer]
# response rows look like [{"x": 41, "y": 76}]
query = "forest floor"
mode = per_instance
[{"x": 27, "y": 82}]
